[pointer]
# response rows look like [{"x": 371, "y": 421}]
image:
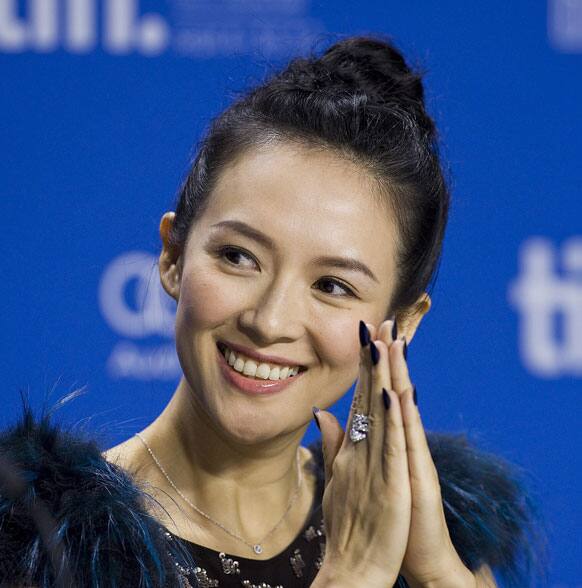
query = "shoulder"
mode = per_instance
[
  {"x": 129, "y": 455},
  {"x": 97, "y": 506},
  {"x": 492, "y": 516}
]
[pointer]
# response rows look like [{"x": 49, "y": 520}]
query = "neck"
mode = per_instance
[{"x": 246, "y": 487}]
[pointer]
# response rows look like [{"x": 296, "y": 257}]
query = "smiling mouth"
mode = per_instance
[{"x": 257, "y": 370}]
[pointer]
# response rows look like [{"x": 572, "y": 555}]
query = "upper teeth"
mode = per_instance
[{"x": 250, "y": 367}]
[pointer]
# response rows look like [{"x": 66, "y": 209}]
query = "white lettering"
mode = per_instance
[
  {"x": 565, "y": 25},
  {"x": 547, "y": 301},
  {"x": 128, "y": 361},
  {"x": 132, "y": 300},
  {"x": 80, "y": 26},
  {"x": 13, "y": 32},
  {"x": 124, "y": 30}
]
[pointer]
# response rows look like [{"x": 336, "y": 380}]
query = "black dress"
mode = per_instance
[{"x": 297, "y": 565}]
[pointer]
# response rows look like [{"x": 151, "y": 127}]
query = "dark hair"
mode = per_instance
[{"x": 361, "y": 99}]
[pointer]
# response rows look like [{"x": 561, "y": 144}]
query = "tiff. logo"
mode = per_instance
[
  {"x": 73, "y": 25},
  {"x": 550, "y": 307}
]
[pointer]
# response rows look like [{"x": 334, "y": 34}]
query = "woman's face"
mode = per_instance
[{"x": 276, "y": 294}]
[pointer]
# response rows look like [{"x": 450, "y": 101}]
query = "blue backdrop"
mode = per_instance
[{"x": 101, "y": 105}]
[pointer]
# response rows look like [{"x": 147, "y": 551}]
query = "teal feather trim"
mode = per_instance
[
  {"x": 94, "y": 527},
  {"x": 63, "y": 507}
]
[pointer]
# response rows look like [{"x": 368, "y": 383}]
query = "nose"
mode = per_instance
[{"x": 274, "y": 313}]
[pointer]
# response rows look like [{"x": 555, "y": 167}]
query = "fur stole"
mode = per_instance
[{"x": 70, "y": 518}]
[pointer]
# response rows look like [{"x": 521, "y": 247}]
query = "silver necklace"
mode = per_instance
[{"x": 256, "y": 547}]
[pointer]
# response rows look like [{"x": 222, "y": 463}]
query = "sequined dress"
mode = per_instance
[{"x": 295, "y": 566}]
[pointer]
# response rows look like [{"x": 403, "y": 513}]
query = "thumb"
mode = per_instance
[{"x": 332, "y": 436}]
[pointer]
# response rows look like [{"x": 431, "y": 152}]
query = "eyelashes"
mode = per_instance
[{"x": 222, "y": 252}]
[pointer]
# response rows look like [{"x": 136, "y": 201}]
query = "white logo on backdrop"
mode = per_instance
[
  {"x": 135, "y": 306},
  {"x": 194, "y": 29},
  {"x": 565, "y": 25},
  {"x": 123, "y": 29},
  {"x": 550, "y": 307}
]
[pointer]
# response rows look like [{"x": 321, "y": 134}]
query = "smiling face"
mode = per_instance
[{"x": 275, "y": 293}]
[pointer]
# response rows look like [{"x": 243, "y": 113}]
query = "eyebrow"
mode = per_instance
[{"x": 347, "y": 263}]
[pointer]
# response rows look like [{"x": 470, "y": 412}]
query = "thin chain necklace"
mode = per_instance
[{"x": 256, "y": 547}]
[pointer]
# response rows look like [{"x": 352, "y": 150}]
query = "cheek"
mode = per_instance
[
  {"x": 339, "y": 345},
  {"x": 342, "y": 345},
  {"x": 204, "y": 301}
]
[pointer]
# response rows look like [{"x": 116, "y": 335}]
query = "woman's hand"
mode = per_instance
[
  {"x": 367, "y": 501},
  {"x": 403, "y": 478},
  {"x": 430, "y": 558}
]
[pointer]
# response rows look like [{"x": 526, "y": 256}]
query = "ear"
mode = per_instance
[
  {"x": 411, "y": 320},
  {"x": 170, "y": 260}
]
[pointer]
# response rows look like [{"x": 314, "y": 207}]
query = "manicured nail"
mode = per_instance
[
  {"x": 385, "y": 398},
  {"x": 315, "y": 411},
  {"x": 414, "y": 397},
  {"x": 394, "y": 330},
  {"x": 405, "y": 347},
  {"x": 374, "y": 353},
  {"x": 364, "y": 334}
]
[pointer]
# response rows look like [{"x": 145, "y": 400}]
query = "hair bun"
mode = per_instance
[{"x": 375, "y": 67}]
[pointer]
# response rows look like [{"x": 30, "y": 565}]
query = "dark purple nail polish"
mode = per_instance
[
  {"x": 385, "y": 398},
  {"x": 364, "y": 334},
  {"x": 405, "y": 348},
  {"x": 315, "y": 411},
  {"x": 374, "y": 353},
  {"x": 414, "y": 397},
  {"x": 394, "y": 330}
]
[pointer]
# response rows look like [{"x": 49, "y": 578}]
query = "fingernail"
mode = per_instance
[
  {"x": 364, "y": 334},
  {"x": 405, "y": 347},
  {"x": 315, "y": 411},
  {"x": 374, "y": 353},
  {"x": 414, "y": 396},
  {"x": 394, "y": 330},
  {"x": 385, "y": 398}
]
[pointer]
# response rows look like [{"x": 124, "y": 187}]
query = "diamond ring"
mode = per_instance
[{"x": 359, "y": 427}]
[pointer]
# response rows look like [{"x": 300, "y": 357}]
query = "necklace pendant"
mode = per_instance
[{"x": 258, "y": 549}]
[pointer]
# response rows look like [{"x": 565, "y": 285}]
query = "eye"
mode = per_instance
[
  {"x": 230, "y": 253},
  {"x": 334, "y": 282}
]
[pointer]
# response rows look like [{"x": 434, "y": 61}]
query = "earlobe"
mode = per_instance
[
  {"x": 169, "y": 261},
  {"x": 424, "y": 303},
  {"x": 170, "y": 277}
]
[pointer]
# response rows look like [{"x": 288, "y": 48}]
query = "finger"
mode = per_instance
[
  {"x": 332, "y": 436},
  {"x": 395, "y": 470},
  {"x": 399, "y": 367},
  {"x": 385, "y": 332},
  {"x": 377, "y": 413},
  {"x": 423, "y": 472},
  {"x": 360, "y": 399}
]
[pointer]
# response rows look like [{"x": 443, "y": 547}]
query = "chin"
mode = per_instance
[
  {"x": 253, "y": 428},
  {"x": 249, "y": 438}
]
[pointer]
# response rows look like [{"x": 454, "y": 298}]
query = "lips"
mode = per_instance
[
  {"x": 253, "y": 386},
  {"x": 251, "y": 354}
]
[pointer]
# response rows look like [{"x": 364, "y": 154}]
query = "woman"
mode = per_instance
[{"x": 300, "y": 253}]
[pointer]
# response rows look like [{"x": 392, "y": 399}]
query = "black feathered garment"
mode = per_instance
[{"x": 70, "y": 518}]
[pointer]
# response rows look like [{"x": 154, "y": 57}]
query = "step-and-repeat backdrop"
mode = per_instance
[{"x": 101, "y": 105}]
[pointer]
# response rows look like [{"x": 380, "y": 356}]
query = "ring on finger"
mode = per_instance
[{"x": 359, "y": 427}]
